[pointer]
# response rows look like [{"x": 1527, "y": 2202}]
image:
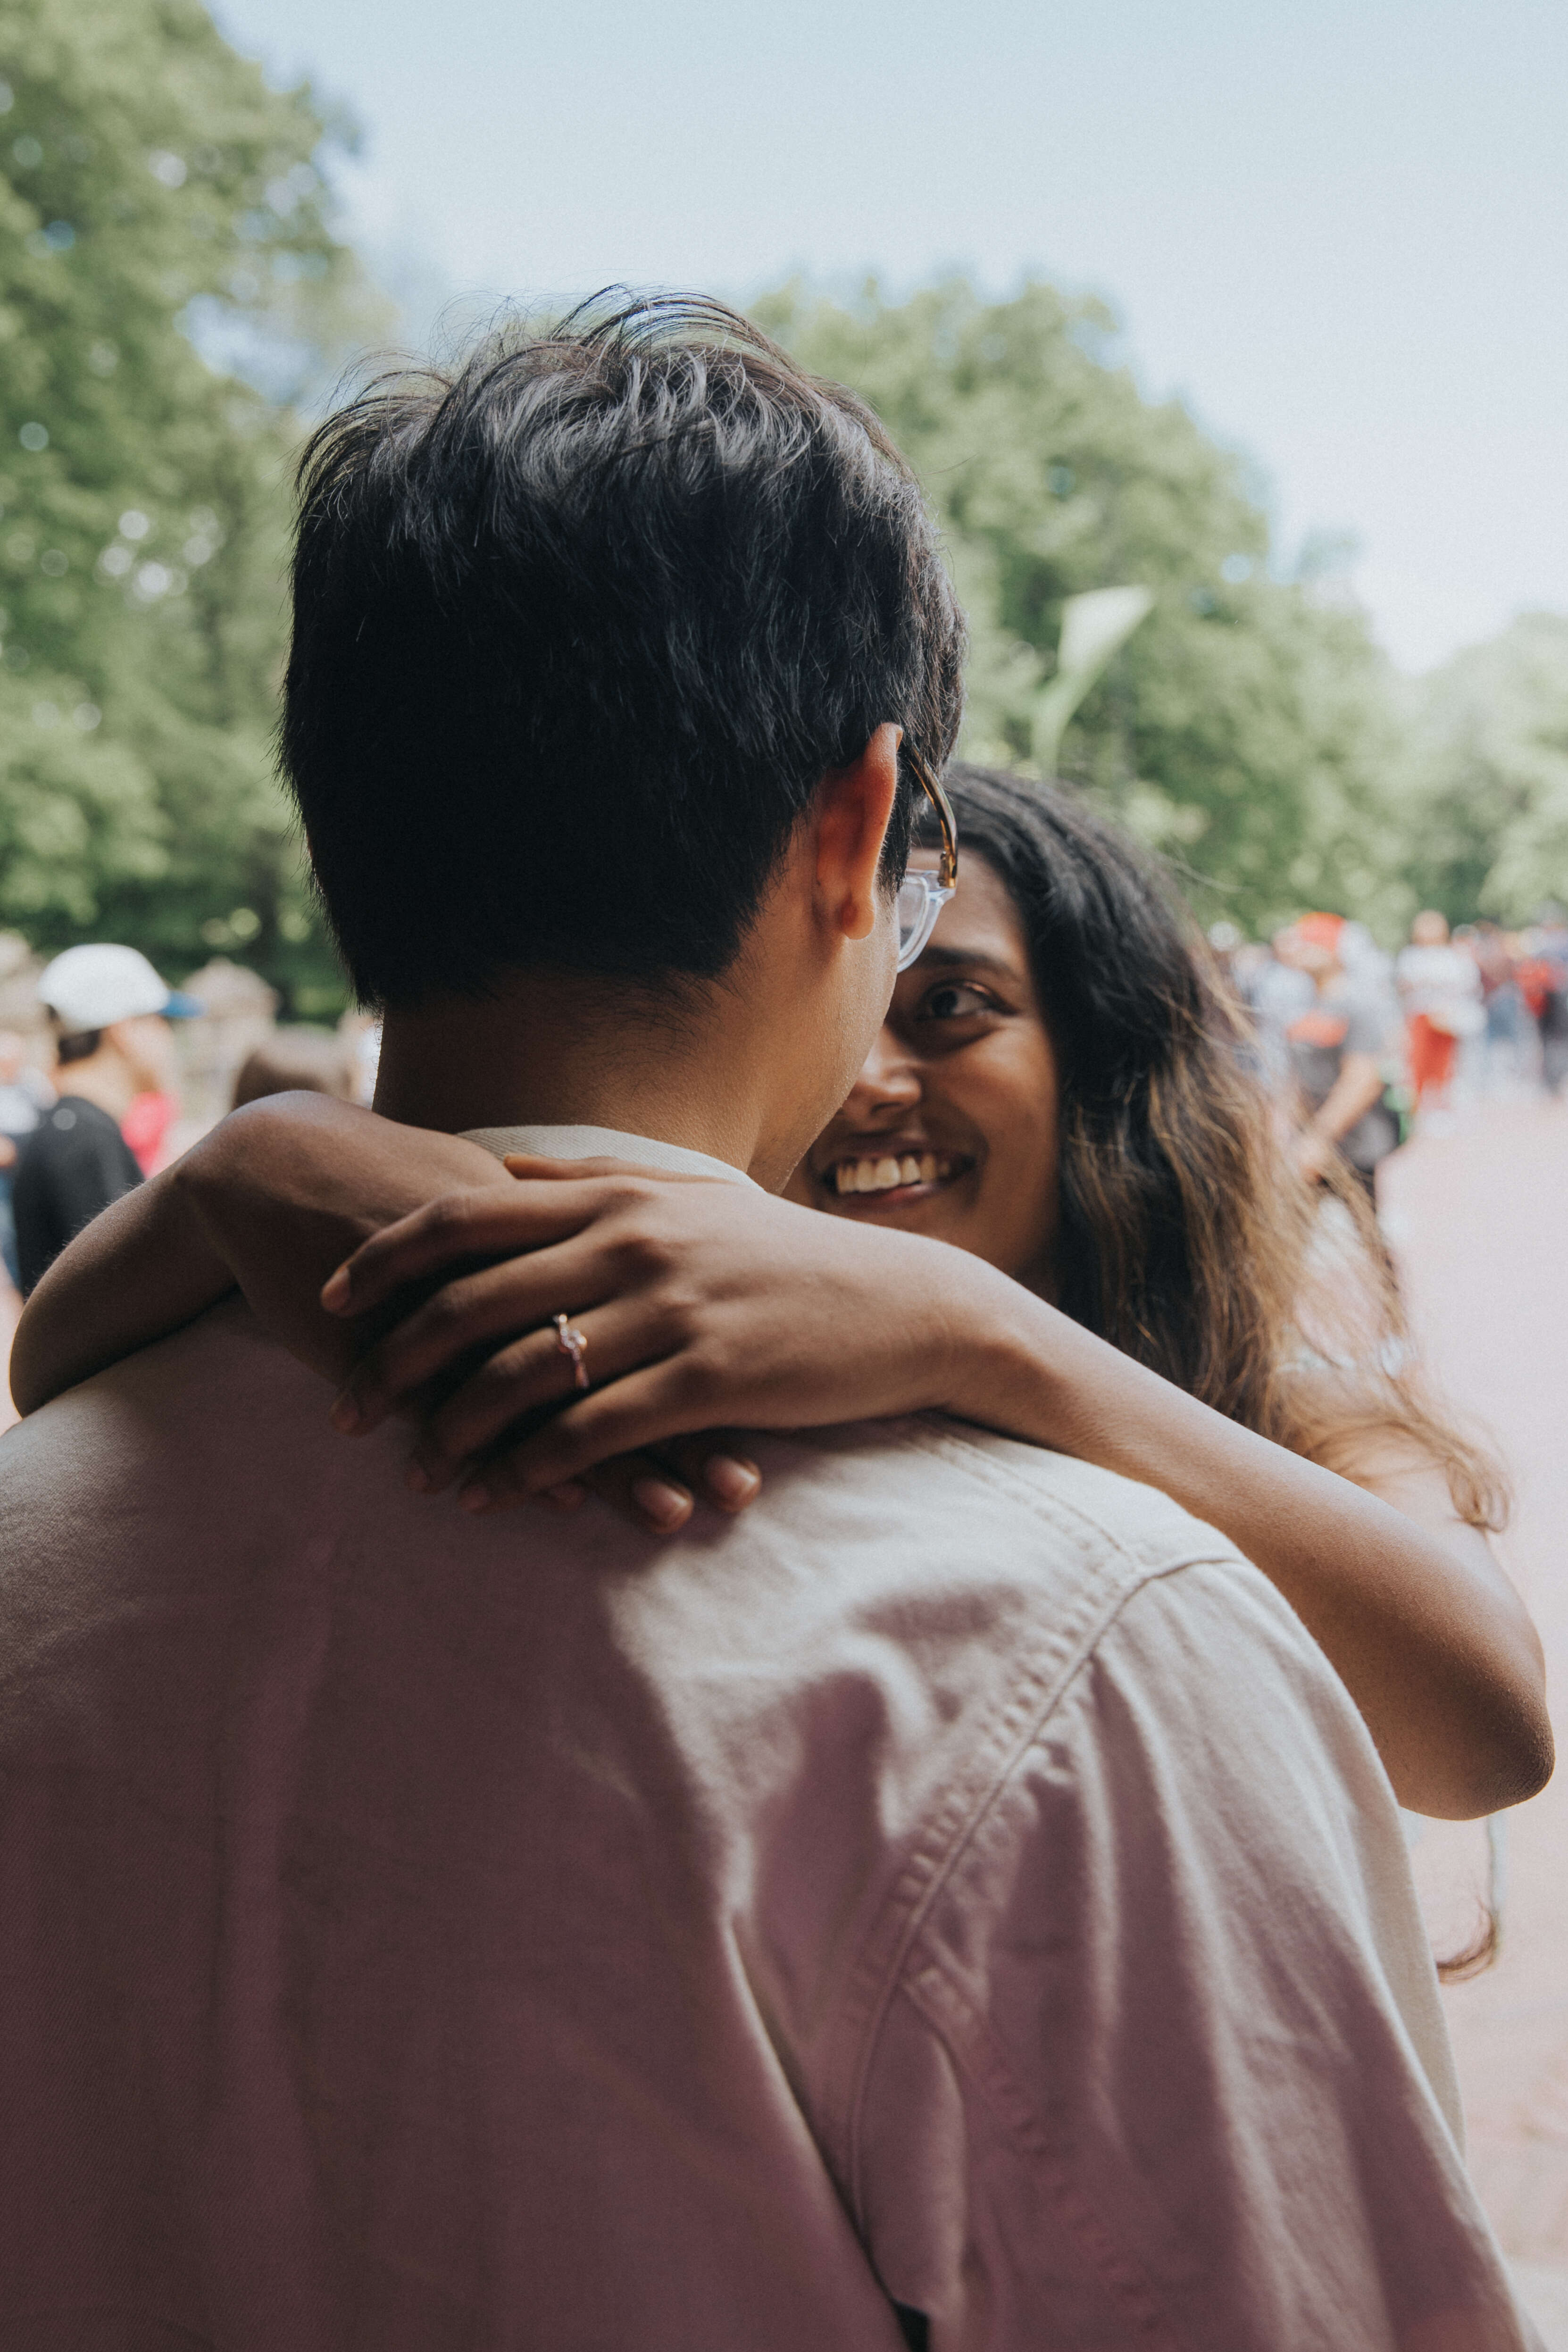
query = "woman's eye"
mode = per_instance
[{"x": 954, "y": 1000}]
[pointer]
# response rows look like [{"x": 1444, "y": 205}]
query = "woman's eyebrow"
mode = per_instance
[{"x": 971, "y": 959}]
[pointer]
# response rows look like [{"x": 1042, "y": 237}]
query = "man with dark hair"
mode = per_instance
[
  {"x": 955, "y": 1904},
  {"x": 585, "y": 625}
]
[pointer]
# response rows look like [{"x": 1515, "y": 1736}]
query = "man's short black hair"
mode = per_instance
[{"x": 577, "y": 630}]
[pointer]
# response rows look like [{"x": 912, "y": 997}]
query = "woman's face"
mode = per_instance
[{"x": 951, "y": 1129}]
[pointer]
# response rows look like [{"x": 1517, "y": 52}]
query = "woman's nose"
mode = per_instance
[{"x": 889, "y": 1076}]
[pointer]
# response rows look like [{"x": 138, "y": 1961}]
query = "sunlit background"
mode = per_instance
[{"x": 1261, "y": 311}]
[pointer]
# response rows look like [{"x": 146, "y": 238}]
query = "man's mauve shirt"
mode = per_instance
[{"x": 959, "y": 1884}]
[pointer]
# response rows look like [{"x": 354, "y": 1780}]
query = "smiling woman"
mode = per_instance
[{"x": 1070, "y": 1086}]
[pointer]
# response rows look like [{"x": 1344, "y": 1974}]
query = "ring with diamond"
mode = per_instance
[{"x": 572, "y": 1342}]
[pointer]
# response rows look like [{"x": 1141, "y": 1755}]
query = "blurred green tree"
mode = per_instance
[
  {"x": 1244, "y": 727},
  {"x": 170, "y": 284},
  {"x": 1486, "y": 806}
]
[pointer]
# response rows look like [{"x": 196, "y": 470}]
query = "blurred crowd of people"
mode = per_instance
[
  {"x": 1361, "y": 1047},
  {"x": 91, "y": 1103}
]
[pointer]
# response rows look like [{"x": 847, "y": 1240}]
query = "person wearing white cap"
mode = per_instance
[{"x": 111, "y": 1016}]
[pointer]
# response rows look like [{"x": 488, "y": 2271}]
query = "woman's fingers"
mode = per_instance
[
  {"x": 517, "y": 1381},
  {"x": 638, "y": 1486},
  {"x": 484, "y": 1222},
  {"x": 651, "y": 1409},
  {"x": 522, "y": 1296},
  {"x": 643, "y": 1491},
  {"x": 655, "y": 1492},
  {"x": 718, "y": 1467},
  {"x": 532, "y": 1372}
]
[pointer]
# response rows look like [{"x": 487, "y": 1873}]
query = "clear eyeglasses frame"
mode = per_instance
[{"x": 923, "y": 895}]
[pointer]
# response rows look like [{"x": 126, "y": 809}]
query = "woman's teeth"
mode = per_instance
[{"x": 884, "y": 1175}]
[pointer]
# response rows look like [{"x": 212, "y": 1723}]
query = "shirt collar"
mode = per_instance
[{"x": 603, "y": 1143}]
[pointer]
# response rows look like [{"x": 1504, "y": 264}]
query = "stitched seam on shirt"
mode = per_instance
[
  {"x": 966, "y": 2035},
  {"x": 872, "y": 1981},
  {"x": 938, "y": 1434}
]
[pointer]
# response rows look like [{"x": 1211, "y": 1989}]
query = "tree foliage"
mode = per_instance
[
  {"x": 1486, "y": 807},
  {"x": 1244, "y": 726},
  {"x": 158, "y": 200},
  {"x": 170, "y": 287}
]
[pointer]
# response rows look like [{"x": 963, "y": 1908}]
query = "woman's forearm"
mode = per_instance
[
  {"x": 286, "y": 1188},
  {"x": 139, "y": 1271},
  {"x": 1424, "y": 1630}
]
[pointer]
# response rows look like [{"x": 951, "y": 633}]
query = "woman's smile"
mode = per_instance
[{"x": 894, "y": 1173}]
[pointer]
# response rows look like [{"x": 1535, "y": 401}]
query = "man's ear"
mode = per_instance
[{"x": 853, "y": 804}]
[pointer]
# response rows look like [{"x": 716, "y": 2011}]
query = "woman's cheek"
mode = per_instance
[{"x": 1019, "y": 1200}]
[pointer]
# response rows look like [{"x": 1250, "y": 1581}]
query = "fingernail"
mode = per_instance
[
  {"x": 567, "y": 1495},
  {"x": 665, "y": 1504},
  {"x": 729, "y": 1481},
  {"x": 336, "y": 1290},
  {"x": 416, "y": 1478},
  {"x": 345, "y": 1415},
  {"x": 474, "y": 1499}
]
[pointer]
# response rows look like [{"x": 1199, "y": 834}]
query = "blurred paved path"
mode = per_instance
[{"x": 1481, "y": 1222}]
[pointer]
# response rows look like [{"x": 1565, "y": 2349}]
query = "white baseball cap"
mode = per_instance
[{"x": 90, "y": 987}]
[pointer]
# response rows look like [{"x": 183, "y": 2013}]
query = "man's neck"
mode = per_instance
[{"x": 553, "y": 1050}]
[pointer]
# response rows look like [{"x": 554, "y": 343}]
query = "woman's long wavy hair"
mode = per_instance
[{"x": 1186, "y": 1237}]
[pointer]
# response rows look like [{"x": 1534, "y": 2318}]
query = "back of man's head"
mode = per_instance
[{"x": 578, "y": 631}]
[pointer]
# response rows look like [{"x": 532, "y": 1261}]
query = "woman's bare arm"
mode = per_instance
[
  {"x": 710, "y": 1304},
  {"x": 139, "y": 1271},
  {"x": 1424, "y": 1626}
]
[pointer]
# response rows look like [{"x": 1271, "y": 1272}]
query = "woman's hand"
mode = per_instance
[{"x": 703, "y": 1304}]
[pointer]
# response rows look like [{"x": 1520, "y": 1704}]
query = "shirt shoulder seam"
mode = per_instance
[
  {"x": 1044, "y": 1675},
  {"x": 945, "y": 2011},
  {"x": 1191, "y": 1541}
]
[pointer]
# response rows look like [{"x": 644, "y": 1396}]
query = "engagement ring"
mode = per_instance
[{"x": 573, "y": 1343}]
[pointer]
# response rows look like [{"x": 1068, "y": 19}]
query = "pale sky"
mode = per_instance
[{"x": 1336, "y": 230}]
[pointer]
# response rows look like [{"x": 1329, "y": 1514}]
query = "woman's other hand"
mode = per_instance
[{"x": 280, "y": 1190}]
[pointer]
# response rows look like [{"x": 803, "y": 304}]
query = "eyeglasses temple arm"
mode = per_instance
[{"x": 929, "y": 784}]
